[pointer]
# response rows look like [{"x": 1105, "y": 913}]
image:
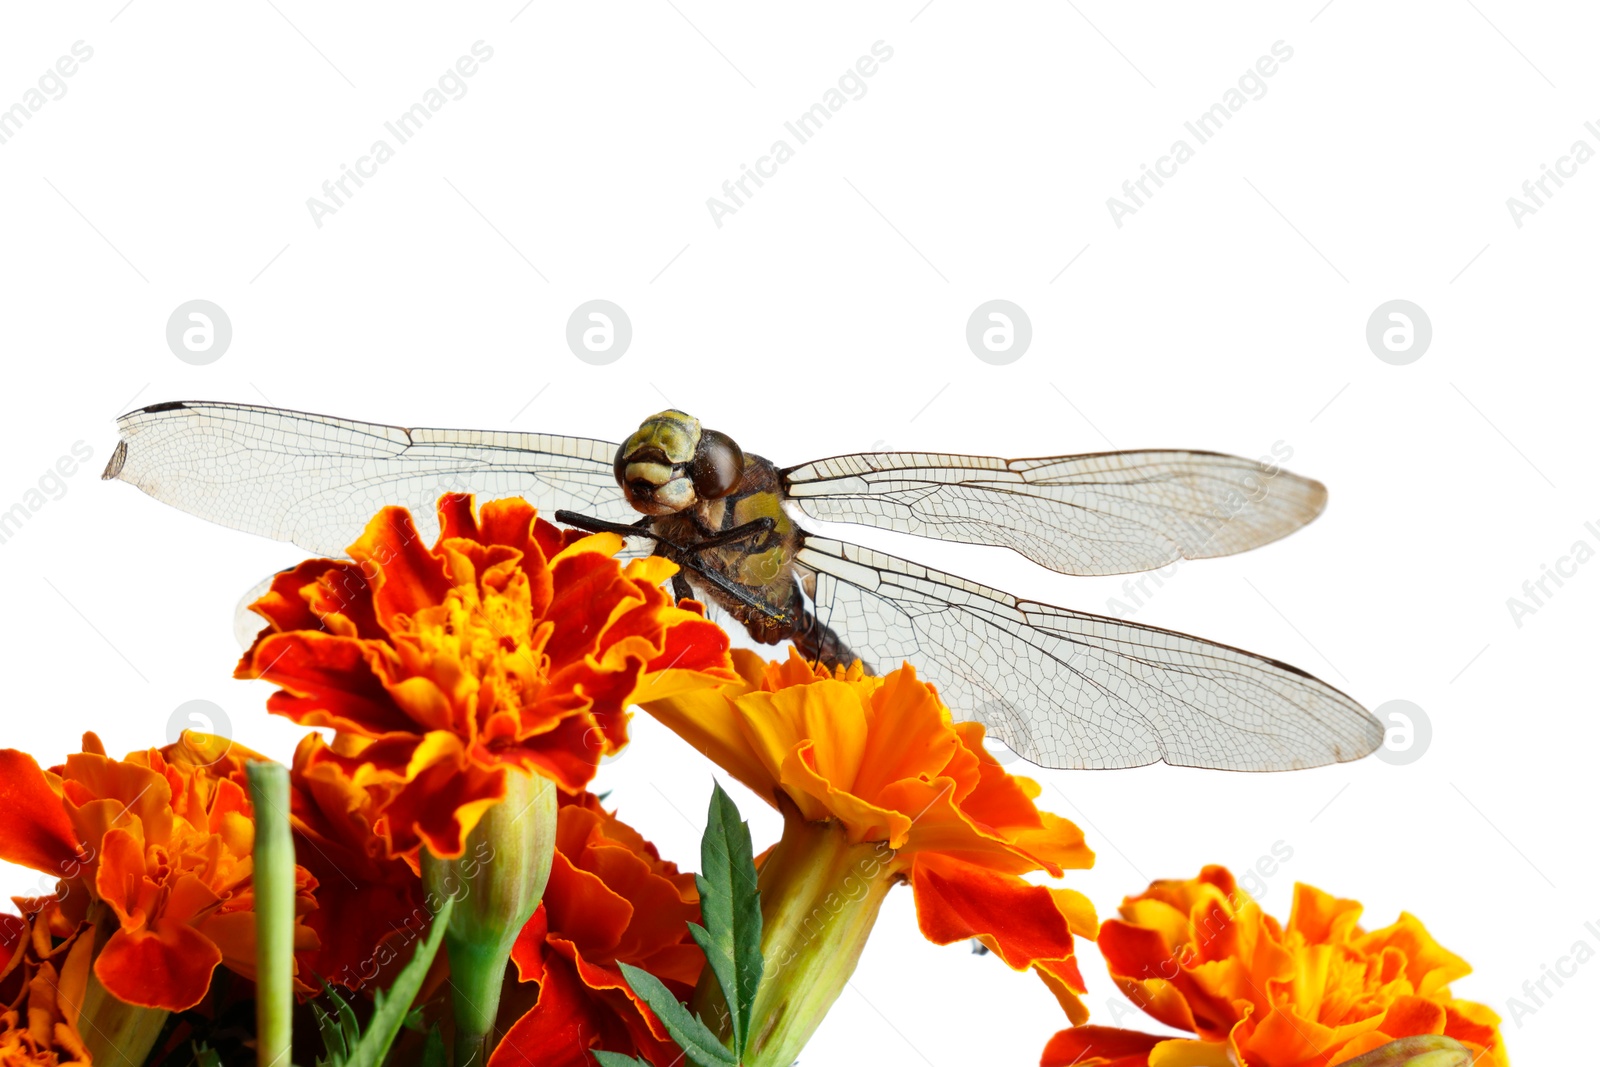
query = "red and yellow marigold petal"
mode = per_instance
[
  {"x": 442, "y": 798},
  {"x": 560, "y": 1028},
  {"x": 35, "y": 831},
  {"x": 1476, "y": 1025},
  {"x": 956, "y": 901},
  {"x": 1098, "y": 1046},
  {"x": 1430, "y": 967},
  {"x": 1064, "y": 979},
  {"x": 405, "y": 575},
  {"x": 1179, "y": 1052},
  {"x": 170, "y": 969},
  {"x": 585, "y": 909},
  {"x": 818, "y": 798},
  {"x": 331, "y": 681},
  {"x": 329, "y": 594}
]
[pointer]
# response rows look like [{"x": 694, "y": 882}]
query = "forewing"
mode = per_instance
[
  {"x": 1068, "y": 689},
  {"x": 316, "y": 480},
  {"x": 1106, "y": 513}
]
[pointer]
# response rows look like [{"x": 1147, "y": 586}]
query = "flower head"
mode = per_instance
[
  {"x": 164, "y": 844},
  {"x": 1200, "y": 956},
  {"x": 370, "y": 905},
  {"x": 43, "y": 984},
  {"x": 509, "y": 644},
  {"x": 611, "y": 899},
  {"x": 879, "y": 785},
  {"x": 881, "y": 756}
]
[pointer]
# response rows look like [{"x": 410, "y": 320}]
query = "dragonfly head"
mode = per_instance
[{"x": 670, "y": 463}]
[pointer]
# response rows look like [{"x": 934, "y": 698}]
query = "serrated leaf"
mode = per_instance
[
  {"x": 343, "y": 1043},
  {"x": 616, "y": 1059},
  {"x": 730, "y": 911},
  {"x": 699, "y": 1044},
  {"x": 339, "y": 1028}
]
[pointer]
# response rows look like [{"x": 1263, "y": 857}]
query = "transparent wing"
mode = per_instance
[
  {"x": 1106, "y": 513},
  {"x": 316, "y": 480},
  {"x": 1068, "y": 689},
  {"x": 246, "y": 623}
]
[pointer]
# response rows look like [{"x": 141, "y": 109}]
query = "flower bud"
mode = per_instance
[
  {"x": 820, "y": 896},
  {"x": 496, "y": 884}
]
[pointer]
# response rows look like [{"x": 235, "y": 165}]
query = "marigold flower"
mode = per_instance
[
  {"x": 509, "y": 645},
  {"x": 1201, "y": 956},
  {"x": 878, "y": 785},
  {"x": 369, "y": 904},
  {"x": 610, "y": 899},
  {"x": 43, "y": 984},
  {"x": 163, "y": 844}
]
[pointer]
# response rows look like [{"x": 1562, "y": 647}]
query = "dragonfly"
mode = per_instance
[{"x": 1059, "y": 687}]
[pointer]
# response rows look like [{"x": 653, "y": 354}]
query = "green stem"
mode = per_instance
[
  {"x": 820, "y": 897},
  {"x": 274, "y": 887},
  {"x": 496, "y": 884}
]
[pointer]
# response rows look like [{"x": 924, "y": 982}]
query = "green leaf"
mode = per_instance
[
  {"x": 340, "y": 1029},
  {"x": 616, "y": 1059},
  {"x": 433, "y": 1051},
  {"x": 343, "y": 1043},
  {"x": 206, "y": 1056},
  {"x": 730, "y": 909},
  {"x": 699, "y": 1044}
]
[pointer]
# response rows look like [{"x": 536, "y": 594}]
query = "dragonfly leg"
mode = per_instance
[
  {"x": 685, "y": 557},
  {"x": 743, "y": 532},
  {"x": 584, "y": 522}
]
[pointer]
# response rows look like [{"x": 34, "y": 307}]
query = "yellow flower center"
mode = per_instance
[{"x": 482, "y": 648}]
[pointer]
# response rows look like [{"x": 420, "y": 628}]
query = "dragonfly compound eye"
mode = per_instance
[
  {"x": 718, "y": 465},
  {"x": 652, "y": 484}
]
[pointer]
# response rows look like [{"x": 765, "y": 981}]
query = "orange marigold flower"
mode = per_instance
[
  {"x": 164, "y": 844},
  {"x": 510, "y": 644},
  {"x": 878, "y": 785},
  {"x": 370, "y": 905},
  {"x": 1201, "y": 956},
  {"x": 43, "y": 984},
  {"x": 610, "y": 899}
]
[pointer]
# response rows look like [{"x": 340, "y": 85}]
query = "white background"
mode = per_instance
[{"x": 828, "y": 315}]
